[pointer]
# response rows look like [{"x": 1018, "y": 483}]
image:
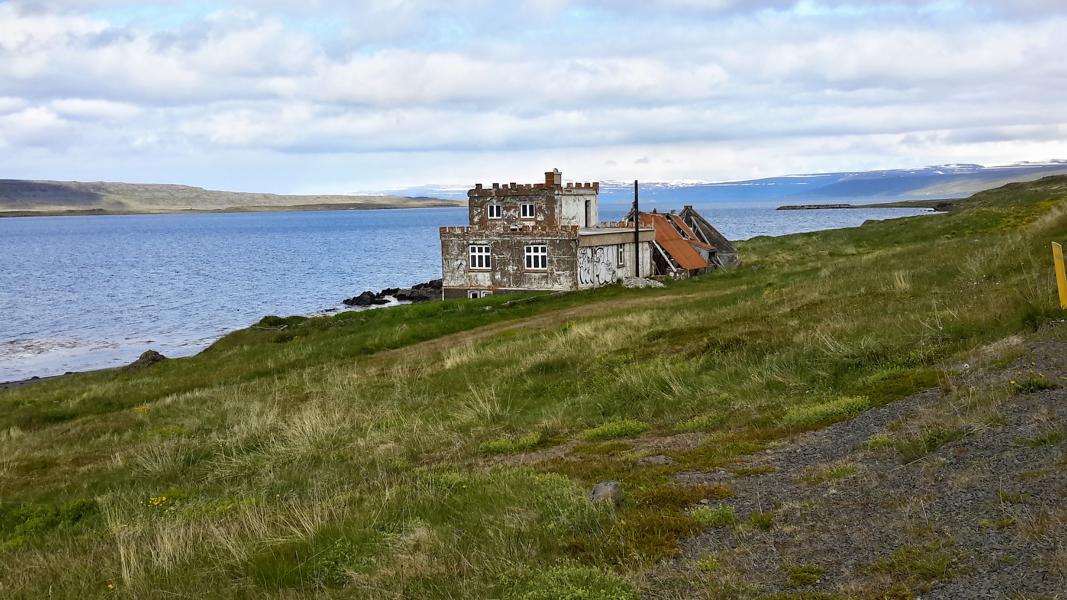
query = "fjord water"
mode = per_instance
[{"x": 90, "y": 292}]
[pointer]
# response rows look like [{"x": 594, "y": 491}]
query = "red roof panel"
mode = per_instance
[{"x": 680, "y": 249}]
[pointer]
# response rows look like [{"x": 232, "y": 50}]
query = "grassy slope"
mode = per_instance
[{"x": 367, "y": 455}]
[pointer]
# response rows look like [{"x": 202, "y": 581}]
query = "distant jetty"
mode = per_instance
[
  {"x": 936, "y": 205},
  {"x": 815, "y": 206}
]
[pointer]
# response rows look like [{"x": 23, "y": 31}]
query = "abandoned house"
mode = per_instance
[{"x": 543, "y": 236}]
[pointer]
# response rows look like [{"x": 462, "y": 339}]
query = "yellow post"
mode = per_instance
[{"x": 1061, "y": 276}]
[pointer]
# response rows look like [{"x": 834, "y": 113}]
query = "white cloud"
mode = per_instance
[
  {"x": 78, "y": 108},
  {"x": 33, "y": 127},
  {"x": 734, "y": 85}
]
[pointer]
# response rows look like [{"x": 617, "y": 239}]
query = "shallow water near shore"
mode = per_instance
[{"x": 91, "y": 292}]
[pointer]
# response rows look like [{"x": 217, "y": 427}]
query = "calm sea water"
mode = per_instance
[{"x": 90, "y": 292}]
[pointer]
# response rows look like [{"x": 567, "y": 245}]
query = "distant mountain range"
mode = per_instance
[
  {"x": 946, "y": 181},
  {"x": 20, "y": 197}
]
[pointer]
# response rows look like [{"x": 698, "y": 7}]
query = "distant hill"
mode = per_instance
[
  {"x": 945, "y": 181},
  {"x": 858, "y": 187},
  {"x": 51, "y": 197}
]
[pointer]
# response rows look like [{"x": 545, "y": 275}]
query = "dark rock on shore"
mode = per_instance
[
  {"x": 421, "y": 292},
  {"x": 147, "y": 359},
  {"x": 367, "y": 298}
]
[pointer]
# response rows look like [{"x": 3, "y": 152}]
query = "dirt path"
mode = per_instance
[
  {"x": 983, "y": 516},
  {"x": 540, "y": 321}
]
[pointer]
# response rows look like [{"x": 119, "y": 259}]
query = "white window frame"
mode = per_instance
[
  {"x": 475, "y": 294},
  {"x": 479, "y": 257},
  {"x": 527, "y": 211},
  {"x": 535, "y": 257},
  {"x": 620, "y": 256},
  {"x": 494, "y": 211}
]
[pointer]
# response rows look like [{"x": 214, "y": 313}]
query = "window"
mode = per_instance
[
  {"x": 620, "y": 256},
  {"x": 480, "y": 257},
  {"x": 536, "y": 257},
  {"x": 527, "y": 211},
  {"x": 475, "y": 294},
  {"x": 494, "y": 211}
]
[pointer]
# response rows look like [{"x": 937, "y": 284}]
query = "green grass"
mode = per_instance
[
  {"x": 356, "y": 455},
  {"x": 715, "y": 516},
  {"x": 880, "y": 442},
  {"x": 917, "y": 569},
  {"x": 832, "y": 473},
  {"x": 1032, "y": 385},
  {"x": 806, "y": 417},
  {"x": 573, "y": 582},
  {"x": 804, "y": 575},
  {"x": 913, "y": 448},
  {"x": 615, "y": 430},
  {"x": 764, "y": 521},
  {"x": 701, "y": 423},
  {"x": 511, "y": 445},
  {"x": 1054, "y": 437}
]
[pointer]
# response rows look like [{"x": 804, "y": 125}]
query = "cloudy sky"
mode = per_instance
[{"x": 342, "y": 96}]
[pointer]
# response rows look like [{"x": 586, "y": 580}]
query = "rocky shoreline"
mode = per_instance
[{"x": 420, "y": 292}]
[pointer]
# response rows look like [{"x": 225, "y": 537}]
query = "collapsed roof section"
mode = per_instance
[
  {"x": 677, "y": 242},
  {"x": 686, "y": 244},
  {"x": 725, "y": 253}
]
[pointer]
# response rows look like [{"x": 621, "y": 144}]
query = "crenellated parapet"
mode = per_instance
[
  {"x": 518, "y": 231},
  {"x": 497, "y": 190}
]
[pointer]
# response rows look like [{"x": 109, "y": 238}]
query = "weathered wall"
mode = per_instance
[
  {"x": 510, "y": 200},
  {"x": 554, "y": 204},
  {"x": 572, "y": 206},
  {"x": 598, "y": 265},
  {"x": 508, "y": 271}
]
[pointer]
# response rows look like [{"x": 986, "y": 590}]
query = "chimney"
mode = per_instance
[{"x": 553, "y": 178}]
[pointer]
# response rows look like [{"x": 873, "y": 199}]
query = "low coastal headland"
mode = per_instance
[
  {"x": 19, "y": 198},
  {"x": 739, "y": 429}
]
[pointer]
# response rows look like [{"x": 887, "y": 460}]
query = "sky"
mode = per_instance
[{"x": 348, "y": 96}]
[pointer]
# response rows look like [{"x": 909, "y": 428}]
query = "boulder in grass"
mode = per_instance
[
  {"x": 147, "y": 359},
  {"x": 607, "y": 491}
]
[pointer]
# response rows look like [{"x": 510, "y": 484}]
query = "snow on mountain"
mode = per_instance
[{"x": 937, "y": 181}]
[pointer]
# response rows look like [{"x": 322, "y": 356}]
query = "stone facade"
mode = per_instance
[{"x": 544, "y": 236}]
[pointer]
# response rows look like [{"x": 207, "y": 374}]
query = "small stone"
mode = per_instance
[
  {"x": 656, "y": 460},
  {"x": 607, "y": 491}
]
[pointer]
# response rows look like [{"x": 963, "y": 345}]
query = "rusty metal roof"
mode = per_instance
[
  {"x": 668, "y": 237},
  {"x": 688, "y": 234}
]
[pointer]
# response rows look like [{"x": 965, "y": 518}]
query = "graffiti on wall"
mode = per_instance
[{"x": 596, "y": 266}]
